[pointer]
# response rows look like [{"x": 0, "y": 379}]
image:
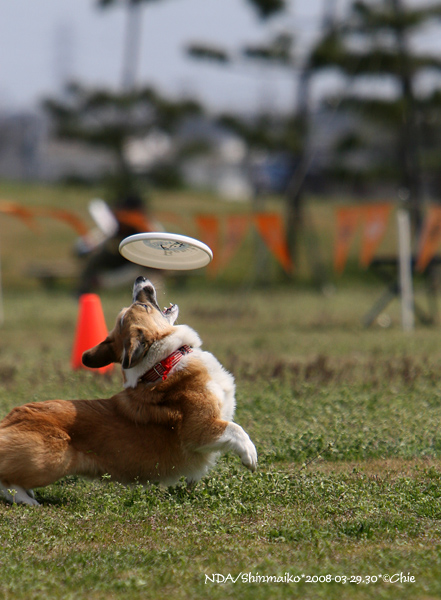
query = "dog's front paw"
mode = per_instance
[
  {"x": 249, "y": 456},
  {"x": 17, "y": 495}
]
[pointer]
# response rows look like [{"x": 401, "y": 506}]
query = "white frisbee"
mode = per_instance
[{"x": 161, "y": 250}]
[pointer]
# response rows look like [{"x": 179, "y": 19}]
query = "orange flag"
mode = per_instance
[
  {"x": 182, "y": 222},
  {"x": 272, "y": 230},
  {"x": 209, "y": 232},
  {"x": 430, "y": 238},
  {"x": 67, "y": 216},
  {"x": 347, "y": 223},
  {"x": 375, "y": 218},
  {"x": 236, "y": 229},
  {"x": 27, "y": 215}
]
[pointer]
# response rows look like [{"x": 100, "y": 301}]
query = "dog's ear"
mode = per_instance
[
  {"x": 101, "y": 355},
  {"x": 135, "y": 348}
]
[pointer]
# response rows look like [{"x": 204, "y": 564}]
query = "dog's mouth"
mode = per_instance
[
  {"x": 171, "y": 313},
  {"x": 167, "y": 311}
]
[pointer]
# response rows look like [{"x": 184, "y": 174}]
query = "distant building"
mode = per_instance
[
  {"x": 205, "y": 154},
  {"x": 28, "y": 152},
  {"x": 21, "y": 137},
  {"x": 214, "y": 158}
]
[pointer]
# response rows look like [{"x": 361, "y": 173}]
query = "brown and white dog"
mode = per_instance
[{"x": 171, "y": 420}]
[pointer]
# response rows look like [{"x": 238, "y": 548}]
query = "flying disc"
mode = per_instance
[{"x": 161, "y": 250}]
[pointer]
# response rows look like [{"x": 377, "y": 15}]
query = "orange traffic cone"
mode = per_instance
[{"x": 91, "y": 330}]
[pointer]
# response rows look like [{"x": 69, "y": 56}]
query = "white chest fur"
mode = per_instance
[{"x": 221, "y": 382}]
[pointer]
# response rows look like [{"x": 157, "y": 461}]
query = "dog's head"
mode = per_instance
[{"x": 136, "y": 329}]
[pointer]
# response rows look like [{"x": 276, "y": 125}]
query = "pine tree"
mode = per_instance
[
  {"x": 372, "y": 45},
  {"x": 106, "y": 119},
  {"x": 266, "y": 132}
]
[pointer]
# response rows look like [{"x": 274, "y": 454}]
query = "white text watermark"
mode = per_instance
[{"x": 288, "y": 578}]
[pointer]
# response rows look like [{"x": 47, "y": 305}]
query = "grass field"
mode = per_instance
[{"x": 346, "y": 422}]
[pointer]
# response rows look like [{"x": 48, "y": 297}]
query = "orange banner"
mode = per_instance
[
  {"x": 16, "y": 210},
  {"x": 67, "y": 216},
  {"x": 209, "y": 234},
  {"x": 27, "y": 215},
  {"x": 375, "y": 218},
  {"x": 183, "y": 223},
  {"x": 347, "y": 223},
  {"x": 272, "y": 230},
  {"x": 430, "y": 238},
  {"x": 236, "y": 229}
]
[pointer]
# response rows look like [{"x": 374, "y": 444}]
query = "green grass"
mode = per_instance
[{"x": 346, "y": 422}]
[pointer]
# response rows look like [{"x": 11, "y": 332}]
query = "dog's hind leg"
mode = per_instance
[{"x": 14, "y": 494}]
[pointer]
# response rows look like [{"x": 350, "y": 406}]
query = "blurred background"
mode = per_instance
[
  {"x": 283, "y": 133},
  {"x": 292, "y": 136}
]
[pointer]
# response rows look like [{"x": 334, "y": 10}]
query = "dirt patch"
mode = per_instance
[
  {"x": 326, "y": 369},
  {"x": 392, "y": 468}
]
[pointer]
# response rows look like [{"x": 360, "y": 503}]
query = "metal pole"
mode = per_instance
[
  {"x": 132, "y": 45},
  {"x": 329, "y": 16},
  {"x": 405, "y": 269}
]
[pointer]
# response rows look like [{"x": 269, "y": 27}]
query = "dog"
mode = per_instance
[{"x": 171, "y": 421}]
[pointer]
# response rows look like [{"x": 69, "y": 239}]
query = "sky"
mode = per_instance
[{"x": 43, "y": 42}]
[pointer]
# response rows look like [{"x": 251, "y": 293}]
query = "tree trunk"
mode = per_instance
[
  {"x": 295, "y": 194},
  {"x": 410, "y": 143}
]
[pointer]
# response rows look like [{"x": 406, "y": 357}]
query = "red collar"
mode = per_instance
[{"x": 162, "y": 369}]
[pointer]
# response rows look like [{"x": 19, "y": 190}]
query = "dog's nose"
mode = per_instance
[{"x": 140, "y": 279}]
